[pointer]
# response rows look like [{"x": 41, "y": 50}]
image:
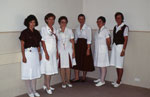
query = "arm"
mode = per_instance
[
  {"x": 108, "y": 41},
  {"x": 23, "y": 52},
  {"x": 45, "y": 50},
  {"x": 126, "y": 31},
  {"x": 73, "y": 48},
  {"x": 89, "y": 39},
  {"x": 39, "y": 50},
  {"x": 57, "y": 53},
  {"x": 124, "y": 45}
]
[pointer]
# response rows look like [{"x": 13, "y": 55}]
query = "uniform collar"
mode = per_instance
[
  {"x": 84, "y": 27},
  {"x": 30, "y": 30},
  {"x": 102, "y": 28},
  {"x": 120, "y": 25},
  {"x": 65, "y": 29},
  {"x": 47, "y": 27}
]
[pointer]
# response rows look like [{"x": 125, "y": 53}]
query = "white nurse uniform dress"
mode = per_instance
[
  {"x": 101, "y": 57},
  {"x": 49, "y": 67},
  {"x": 65, "y": 48}
]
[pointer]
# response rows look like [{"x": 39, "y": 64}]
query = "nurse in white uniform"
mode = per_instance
[
  {"x": 102, "y": 45},
  {"x": 120, "y": 38},
  {"x": 49, "y": 53},
  {"x": 30, "y": 46},
  {"x": 66, "y": 51}
]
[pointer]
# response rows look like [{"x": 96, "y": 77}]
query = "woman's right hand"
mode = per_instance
[
  {"x": 47, "y": 56},
  {"x": 24, "y": 60}
]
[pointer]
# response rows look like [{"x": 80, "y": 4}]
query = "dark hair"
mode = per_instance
[
  {"x": 61, "y": 18},
  {"x": 29, "y": 19},
  {"x": 102, "y": 18},
  {"x": 48, "y": 16},
  {"x": 119, "y": 13},
  {"x": 81, "y": 15}
]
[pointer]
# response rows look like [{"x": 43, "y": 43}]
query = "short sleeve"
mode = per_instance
[
  {"x": 76, "y": 35},
  {"x": 89, "y": 36},
  {"x": 126, "y": 31},
  {"x": 107, "y": 34},
  {"x": 72, "y": 34},
  {"x": 39, "y": 36},
  {"x": 22, "y": 36},
  {"x": 42, "y": 34}
]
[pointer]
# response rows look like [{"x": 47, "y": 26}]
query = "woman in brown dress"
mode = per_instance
[{"x": 84, "y": 59}]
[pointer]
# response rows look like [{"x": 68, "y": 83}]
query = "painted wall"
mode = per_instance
[
  {"x": 136, "y": 12},
  {"x": 137, "y": 54},
  {"x": 13, "y": 13}
]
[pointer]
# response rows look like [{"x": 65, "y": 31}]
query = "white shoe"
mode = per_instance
[
  {"x": 31, "y": 95},
  {"x": 36, "y": 94},
  {"x": 64, "y": 86},
  {"x": 44, "y": 88},
  {"x": 49, "y": 91},
  {"x": 100, "y": 84},
  {"x": 97, "y": 80},
  {"x": 52, "y": 88},
  {"x": 117, "y": 85},
  {"x": 113, "y": 83},
  {"x": 69, "y": 85}
]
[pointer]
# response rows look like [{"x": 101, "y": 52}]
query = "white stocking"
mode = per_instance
[{"x": 28, "y": 86}]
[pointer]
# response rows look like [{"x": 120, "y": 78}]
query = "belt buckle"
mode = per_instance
[{"x": 30, "y": 50}]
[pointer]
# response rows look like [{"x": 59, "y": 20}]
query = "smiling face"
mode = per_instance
[
  {"x": 81, "y": 20},
  {"x": 100, "y": 23},
  {"x": 50, "y": 21},
  {"x": 118, "y": 19},
  {"x": 63, "y": 23},
  {"x": 32, "y": 24}
]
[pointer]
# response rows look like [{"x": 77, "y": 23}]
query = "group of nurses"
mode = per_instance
[
  {"x": 60, "y": 49},
  {"x": 102, "y": 48}
]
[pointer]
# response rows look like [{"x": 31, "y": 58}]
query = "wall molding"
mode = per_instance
[{"x": 5, "y": 32}]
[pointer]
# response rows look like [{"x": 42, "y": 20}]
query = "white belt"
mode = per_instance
[{"x": 31, "y": 49}]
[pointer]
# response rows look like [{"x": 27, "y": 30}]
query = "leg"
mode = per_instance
[
  {"x": 68, "y": 75},
  {"x": 120, "y": 73},
  {"x": 76, "y": 75},
  {"x": 47, "y": 81},
  {"x": 84, "y": 75},
  {"x": 33, "y": 85},
  {"x": 103, "y": 73},
  {"x": 100, "y": 73},
  {"x": 28, "y": 85},
  {"x": 44, "y": 80},
  {"x": 62, "y": 72}
]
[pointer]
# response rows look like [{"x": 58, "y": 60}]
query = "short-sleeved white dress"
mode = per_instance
[
  {"x": 49, "y": 67},
  {"x": 65, "y": 48},
  {"x": 101, "y": 57}
]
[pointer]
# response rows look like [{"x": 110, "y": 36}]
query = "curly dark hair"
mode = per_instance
[
  {"x": 102, "y": 18},
  {"x": 48, "y": 16},
  {"x": 62, "y": 18},
  {"x": 29, "y": 19}
]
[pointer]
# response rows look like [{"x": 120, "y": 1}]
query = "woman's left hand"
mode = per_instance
[
  {"x": 88, "y": 52},
  {"x": 122, "y": 53}
]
